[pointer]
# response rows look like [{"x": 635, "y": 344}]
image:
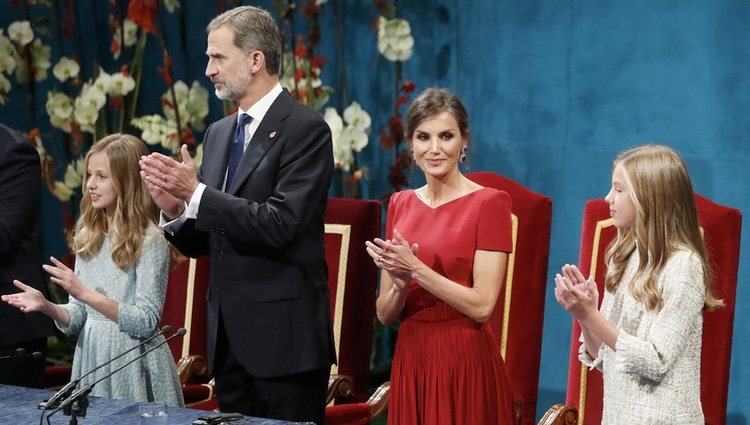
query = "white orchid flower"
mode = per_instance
[
  {"x": 7, "y": 55},
  {"x": 60, "y": 110},
  {"x": 171, "y": 5},
  {"x": 103, "y": 81},
  {"x": 86, "y": 114},
  {"x": 4, "y": 88},
  {"x": 40, "y": 54},
  {"x": 394, "y": 39},
  {"x": 357, "y": 117},
  {"x": 334, "y": 121},
  {"x": 21, "y": 32},
  {"x": 198, "y": 158},
  {"x": 120, "y": 84},
  {"x": 353, "y": 138},
  {"x": 72, "y": 178},
  {"x": 92, "y": 95},
  {"x": 62, "y": 191},
  {"x": 150, "y": 126},
  {"x": 170, "y": 139},
  {"x": 197, "y": 105},
  {"x": 66, "y": 68},
  {"x": 131, "y": 32},
  {"x": 343, "y": 157}
]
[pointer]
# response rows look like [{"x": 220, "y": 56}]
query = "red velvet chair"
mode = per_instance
[
  {"x": 185, "y": 306},
  {"x": 352, "y": 280},
  {"x": 721, "y": 231},
  {"x": 519, "y": 313}
]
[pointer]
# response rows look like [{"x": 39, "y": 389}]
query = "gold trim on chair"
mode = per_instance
[
  {"x": 509, "y": 288},
  {"x": 189, "y": 294},
  {"x": 345, "y": 231},
  {"x": 602, "y": 224}
]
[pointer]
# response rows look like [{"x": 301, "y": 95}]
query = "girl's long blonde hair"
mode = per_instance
[
  {"x": 666, "y": 220},
  {"x": 135, "y": 211}
]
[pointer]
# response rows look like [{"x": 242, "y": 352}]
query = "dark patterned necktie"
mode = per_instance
[{"x": 236, "y": 150}]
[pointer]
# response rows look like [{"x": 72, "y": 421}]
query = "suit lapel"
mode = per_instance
[
  {"x": 267, "y": 133},
  {"x": 214, "y": 169}
]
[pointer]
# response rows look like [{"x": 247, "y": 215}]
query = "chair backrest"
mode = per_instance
[
  {"x": 721, "y": 228},
  {"x": 518, "y": 316},
  {"x": 185, "y": 306},
  {"x": 352, "y": 279}
]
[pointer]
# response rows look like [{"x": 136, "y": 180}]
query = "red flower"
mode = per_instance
[
  {"x": 386, "y": 140},
  {"x": 301, "y": 50},
  {"x": 67, "y": 28},
  {"x": 187, "y": 136},
  {"x": 166, "y": 70},
  {"x": 115, "y": 48},
  {"x": 116, "y": 102},
  {"x": 298, "y": 75},
  {"x": 317, "y": 62},
  {"x": 402, "y": 100},
  {"x": 408, "y": 86},
  {"x": 142, "y": 12}
]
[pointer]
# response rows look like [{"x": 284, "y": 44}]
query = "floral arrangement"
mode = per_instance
[
  {"x": 348, "y": 140},
  {"x": 395, "y": 43},
  {"x": 86, "y": 110}
]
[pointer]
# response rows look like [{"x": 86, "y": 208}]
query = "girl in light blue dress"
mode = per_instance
[{"x": 119, "y": 284}]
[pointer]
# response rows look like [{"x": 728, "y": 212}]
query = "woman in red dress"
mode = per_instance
[{"x": 444, "y": 261}]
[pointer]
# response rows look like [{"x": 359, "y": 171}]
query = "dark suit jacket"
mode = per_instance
[
  {"x": 265, "y": 240},
  {"x": 20, "y": 253}
]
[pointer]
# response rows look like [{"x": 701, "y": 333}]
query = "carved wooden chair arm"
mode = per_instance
[
  {"x": 339, "y": 386},
  {"x": 192, "y": 369},
  {"x": 560, "y": 414},
  {"x": 379, "y": 399}
]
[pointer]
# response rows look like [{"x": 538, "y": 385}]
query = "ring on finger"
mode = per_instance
[{"x": 163, "y": 176}]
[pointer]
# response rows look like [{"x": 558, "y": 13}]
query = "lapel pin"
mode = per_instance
[{"x": 272, "y": 135}]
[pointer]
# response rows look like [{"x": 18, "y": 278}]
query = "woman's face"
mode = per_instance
[
  {"x": 619, "y": 198},
  {"x": 437, "y": 144},
  {"x": 99, "y": 184}
]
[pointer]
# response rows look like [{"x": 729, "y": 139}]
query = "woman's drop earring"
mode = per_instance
[{"x": 462, "y": 158}]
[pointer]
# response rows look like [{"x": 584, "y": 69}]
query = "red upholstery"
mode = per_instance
[
  {"x": 721, "y": 229},
  {"x": 185, "y": 306},
  {"x": 352, "y": 279},
  {"x": 518, "y": 318},
  {"x": 349, "y": 413},
  {"x": 57, "y": 376}
]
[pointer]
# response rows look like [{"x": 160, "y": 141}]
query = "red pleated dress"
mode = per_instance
[{"x": 446, "y": 367}]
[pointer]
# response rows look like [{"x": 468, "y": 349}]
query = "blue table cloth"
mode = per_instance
[{"x": 18, "y": 405}]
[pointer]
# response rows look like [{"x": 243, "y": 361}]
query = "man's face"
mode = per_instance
[{"x": 228, "y": 67}]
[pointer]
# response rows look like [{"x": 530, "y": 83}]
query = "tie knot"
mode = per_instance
[{"x": 244, "y": 119}]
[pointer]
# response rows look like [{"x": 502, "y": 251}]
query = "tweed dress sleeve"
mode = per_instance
[
  {"x": 76, "y": 311},
  {"x": 141, "y": 315},
  {"x": 653, "y": 353}
]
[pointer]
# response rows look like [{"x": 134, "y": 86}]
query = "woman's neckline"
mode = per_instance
[{"x": 426, "y": 203}]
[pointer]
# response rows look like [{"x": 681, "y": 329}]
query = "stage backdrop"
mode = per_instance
[{"x": 554, "y": 89}]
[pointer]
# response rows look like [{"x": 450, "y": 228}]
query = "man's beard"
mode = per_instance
[{"x": 234, "y": 89}]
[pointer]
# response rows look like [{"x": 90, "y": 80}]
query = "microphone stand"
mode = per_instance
[
  {"x": 65, "y": 391},
  {"x": 77, "y": 404}
]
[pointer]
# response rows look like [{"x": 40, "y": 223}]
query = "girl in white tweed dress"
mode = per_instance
[{"x": 646, "y": 338}]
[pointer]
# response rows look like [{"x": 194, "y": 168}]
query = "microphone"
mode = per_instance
[
  {"x": 83, "y": 392},
  {"x": 70, "y": 386},
  {"x": 20, "y": 352}
]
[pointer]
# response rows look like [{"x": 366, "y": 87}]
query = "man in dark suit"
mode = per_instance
[
  {"x": 259, "y": 215},
  {"x": 20, "y": 258}
]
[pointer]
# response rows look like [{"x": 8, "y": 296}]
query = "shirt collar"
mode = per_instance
[{"x": 259, "y": 109}]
